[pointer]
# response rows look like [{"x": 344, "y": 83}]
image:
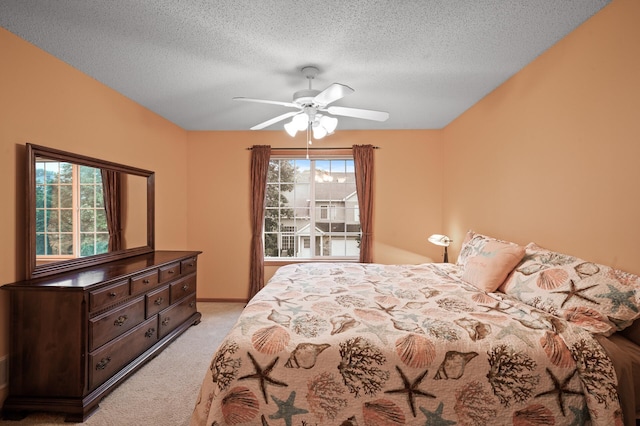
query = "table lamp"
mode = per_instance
[{"x": 441, "y": 240}]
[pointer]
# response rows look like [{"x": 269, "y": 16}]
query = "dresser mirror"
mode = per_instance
[{"x": 83, "y": 211}]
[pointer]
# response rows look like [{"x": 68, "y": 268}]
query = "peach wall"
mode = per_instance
[
  {"x": 551, "y": 156},
  {"x": 46, "y": 102},
  {"x": 407, "y": 191}
]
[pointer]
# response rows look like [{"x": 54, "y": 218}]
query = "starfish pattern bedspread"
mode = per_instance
[{"x": 372, "y": 344}]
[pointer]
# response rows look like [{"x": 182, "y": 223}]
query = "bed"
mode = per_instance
[{"x": 507, "y": 335}]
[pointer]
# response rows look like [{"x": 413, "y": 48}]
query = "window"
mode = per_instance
[
  {"x": 328, "y": 212},
  {"x": 311, "y": 209},
  {"x": 70, "y": 215}
]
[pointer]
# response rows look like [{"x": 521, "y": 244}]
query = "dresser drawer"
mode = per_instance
[
  {"x": 169, "y": 272},
  {"x": 108, "y": 360},
  {"x": 172, "y": 317},
  {"x": 157, "y": 300},
  {"x": 188, "y": 266},
  {"x": 183, "y": 287},
  {"x": 108, "y": 296},
  {"x": 143, "y": 282},
  {"x": 113, "y": 323}
]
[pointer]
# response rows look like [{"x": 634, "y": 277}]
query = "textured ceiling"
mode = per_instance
[{"x": 423, "y": 61}]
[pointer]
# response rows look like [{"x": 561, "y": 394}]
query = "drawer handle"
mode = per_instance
[
  {"x": 120, "y": 321},
  {"x": 190, "y": 265},
  {"x": 170, "y": 271},
  {"x": 166, "y": 321},
  {"x": 192, "y": 304},
  {"x": 159, "y": 301},
  {"x": 112, "y": 294},
  {"x": 150, "y": 332},
  {"x": 185, "y": 287},
  {"x": 145, "y": 281},
  {"x": 103, "y": 363}
]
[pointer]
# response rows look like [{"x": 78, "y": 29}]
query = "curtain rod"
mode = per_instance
[{"x": 310, "y": 149}]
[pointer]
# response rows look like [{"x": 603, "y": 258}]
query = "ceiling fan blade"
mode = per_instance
[
  {"x": 332, "y": 93},
  {"x": 367, "y": 114},
  {"x": 264, "y": 101},
  {"x": 275, "y": 120}
]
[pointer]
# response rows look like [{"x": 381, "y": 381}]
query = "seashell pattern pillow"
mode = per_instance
[{"x": 599, "y": 298}]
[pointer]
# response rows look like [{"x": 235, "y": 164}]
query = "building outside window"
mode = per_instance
[{"x": 311, "y": 209}]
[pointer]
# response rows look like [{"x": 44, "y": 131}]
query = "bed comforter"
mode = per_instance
[{"x": 371, "y": 344}]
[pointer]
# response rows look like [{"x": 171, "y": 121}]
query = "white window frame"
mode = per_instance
[
  {"x": 313, "y": 217},
  {"x": 76, "y": 208}
]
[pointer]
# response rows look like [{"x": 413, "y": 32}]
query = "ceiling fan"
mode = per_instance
[{"x": 313, "y": 112}]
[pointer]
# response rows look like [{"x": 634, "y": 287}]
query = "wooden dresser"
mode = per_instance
[{"x": 75, "y": 336}]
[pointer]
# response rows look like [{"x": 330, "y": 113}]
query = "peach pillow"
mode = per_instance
[{"x": 488, "y": 269}]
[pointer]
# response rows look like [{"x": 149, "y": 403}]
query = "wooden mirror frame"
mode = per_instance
[{"x": 36, "y": 271}]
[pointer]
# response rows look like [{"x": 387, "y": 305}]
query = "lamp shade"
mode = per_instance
[
  {"x": 329, "y": 123},
  {"x": 291, "y": 128},
  {"x": 319, "y": 132},
  {"x": 440, "y": 240},
  {"x": 301, "y": 121}
]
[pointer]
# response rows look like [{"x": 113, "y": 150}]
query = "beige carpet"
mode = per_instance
[{"x": 163, "y": 391}]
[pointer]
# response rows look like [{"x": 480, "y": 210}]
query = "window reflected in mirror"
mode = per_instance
[
  {"x": 71, "y": 220},
  {"x": 84, "y": 211}
]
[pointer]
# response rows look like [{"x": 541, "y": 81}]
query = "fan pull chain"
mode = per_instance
[{"x": 308, "y": 138}]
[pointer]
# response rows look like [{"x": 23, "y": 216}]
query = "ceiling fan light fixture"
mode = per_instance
[
  {"x": 301, "y": 121},
  {"x": 329, "y": 123},
  {"x": 291, "y": 128},
  {"x": 319, "y": 132}
]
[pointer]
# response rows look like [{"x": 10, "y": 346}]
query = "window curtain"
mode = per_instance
[
  {"x": 111, "y": 190},
  {"x": 260, "y": 155},
  {"x": 363, "y": 161}
]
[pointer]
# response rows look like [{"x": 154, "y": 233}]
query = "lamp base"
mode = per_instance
[{"x": 446, "y": 255}]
